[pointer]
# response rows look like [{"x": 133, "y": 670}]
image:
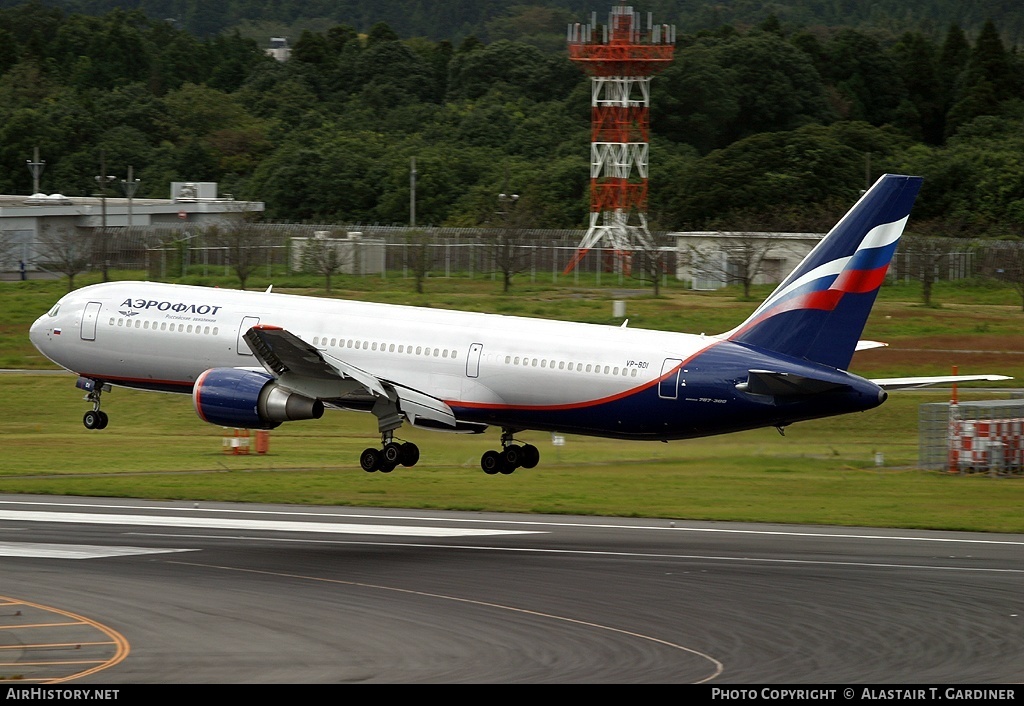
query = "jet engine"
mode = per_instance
[{"x": 249, "y": 399}]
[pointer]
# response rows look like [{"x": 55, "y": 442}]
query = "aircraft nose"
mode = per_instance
[{"x": 36, "y": 332}]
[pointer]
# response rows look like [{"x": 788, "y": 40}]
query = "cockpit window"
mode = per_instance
[{"x": 54, "y": 310}]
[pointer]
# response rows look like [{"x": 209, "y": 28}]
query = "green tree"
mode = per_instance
[
  {"x": 813, "y": 166},
  {"x": 696, "y": 101},
  {"x": 865, "y": 75},
  {"x": 523, "y": 68},
  {"x": 917, "y": 58}
]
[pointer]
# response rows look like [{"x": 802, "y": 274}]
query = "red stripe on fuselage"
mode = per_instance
[
  {"x": 584, "y": 404},
  {"x": 824, "y": 300}
]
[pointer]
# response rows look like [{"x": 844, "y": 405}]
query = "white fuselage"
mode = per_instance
[
  {"x": 163, "y": 336},
  {"x": 512, "y": 372}
]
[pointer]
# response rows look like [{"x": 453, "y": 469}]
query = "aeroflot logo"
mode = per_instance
[{"x": 176, "y": 307}]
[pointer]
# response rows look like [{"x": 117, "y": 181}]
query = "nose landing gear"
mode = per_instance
[{"x": 94, "y": 418}]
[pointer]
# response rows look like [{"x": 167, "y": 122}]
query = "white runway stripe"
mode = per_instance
[
  {"x": 74, "y": 551},
  {"x": 89, "y": 518}
]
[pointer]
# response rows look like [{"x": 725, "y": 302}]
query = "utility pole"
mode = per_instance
[
  {"x": 412, "y": 193},
  {"x": 130, "y": 185},
  {"x": 103, "y": 179}
]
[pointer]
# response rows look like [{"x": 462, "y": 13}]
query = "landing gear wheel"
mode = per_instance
[
  {"x": 513, "y": 456},
  {"x": 94, "y": 419},
  {"x": 387, "y": 467},
  {"x": 370, "y": 460},
  {"x": 391, "y": 454},
  {"x": 410, "y": 454},
  {"x": 530, "y": 456},
  {"x": 492, "y": 462}
]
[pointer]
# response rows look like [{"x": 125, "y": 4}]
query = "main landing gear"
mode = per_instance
[
  {"x": 511, "y": 456},
  {"x": 94, "y": 418},
  {"x": 391, "y": 455}
]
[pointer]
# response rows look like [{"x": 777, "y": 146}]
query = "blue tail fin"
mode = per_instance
[{"x": 819, "y": 311}]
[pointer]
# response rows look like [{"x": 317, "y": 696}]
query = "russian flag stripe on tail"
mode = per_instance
[{"x": 819, "y": 311}]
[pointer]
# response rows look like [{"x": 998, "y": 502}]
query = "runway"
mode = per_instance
[{"x": 112, "y": 591}]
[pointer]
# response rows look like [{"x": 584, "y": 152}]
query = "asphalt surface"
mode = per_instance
[{"x": 102, "y": 591}]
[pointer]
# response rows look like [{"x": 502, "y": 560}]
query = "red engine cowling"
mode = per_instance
[{"x": 248, "y": 399}]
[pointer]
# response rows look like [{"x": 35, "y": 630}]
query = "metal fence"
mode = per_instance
[
  {"x": 938, "y": 434},
  {"x": 165, "y": 252},
  {"x": 170, "y": 251}
]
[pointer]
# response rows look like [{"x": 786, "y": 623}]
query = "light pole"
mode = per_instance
[
  {"x": 36, "y": 167},
  {"x": 130, "y": 186},
  {"x": 507, "y": 201},
  {"x": 103, "y": 180}
]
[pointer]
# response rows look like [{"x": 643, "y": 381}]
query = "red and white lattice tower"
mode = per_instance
[{"x": 621, "y": 58}]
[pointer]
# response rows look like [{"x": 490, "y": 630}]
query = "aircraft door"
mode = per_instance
[
  {"x": 89, "y": 316},
  {"x": 473, "y": 360},
  {"x": 668, "y": 386},
  {"x": 247, "y": 323}
]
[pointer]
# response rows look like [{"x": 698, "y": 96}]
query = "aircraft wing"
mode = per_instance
[
  {"x": 300, "y": 367},
  {"x": 912, "y": 382}
]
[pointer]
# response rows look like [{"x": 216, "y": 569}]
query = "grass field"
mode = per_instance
[{"x": 821, "y": 472}]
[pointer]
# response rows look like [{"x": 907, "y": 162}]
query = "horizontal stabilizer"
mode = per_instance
[
  {"x": 909, "y": 383},
  {"x": 768, "y": 382},
  {"x": 863, "y": 345}
]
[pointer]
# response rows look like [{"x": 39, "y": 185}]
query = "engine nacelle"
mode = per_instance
[{"x": 248, "y": 399}]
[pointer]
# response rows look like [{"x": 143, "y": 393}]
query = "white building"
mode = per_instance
[
  {"x": 715, "y": 259},
  {"x": 279, "y": 48},
  {"x": 24, "y": 218}
]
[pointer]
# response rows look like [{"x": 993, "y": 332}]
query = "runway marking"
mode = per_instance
[
  {"x": 598, "y": 553},
  {"x": 75, "y": 551},
  {"x": 117, "y": 640},
  {"x": 39, "y": 625},
  {"x": 718, "y": 667},
  {"x": 93, "y": 518},
  {"x": 841, "y": 533},
  {"x": 53, "y": 645}
]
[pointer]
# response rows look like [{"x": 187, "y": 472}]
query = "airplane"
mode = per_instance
[{"x": 259, "y": 359}]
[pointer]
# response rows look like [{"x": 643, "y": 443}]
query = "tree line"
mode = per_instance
[{"x": 751, "y": 125}]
